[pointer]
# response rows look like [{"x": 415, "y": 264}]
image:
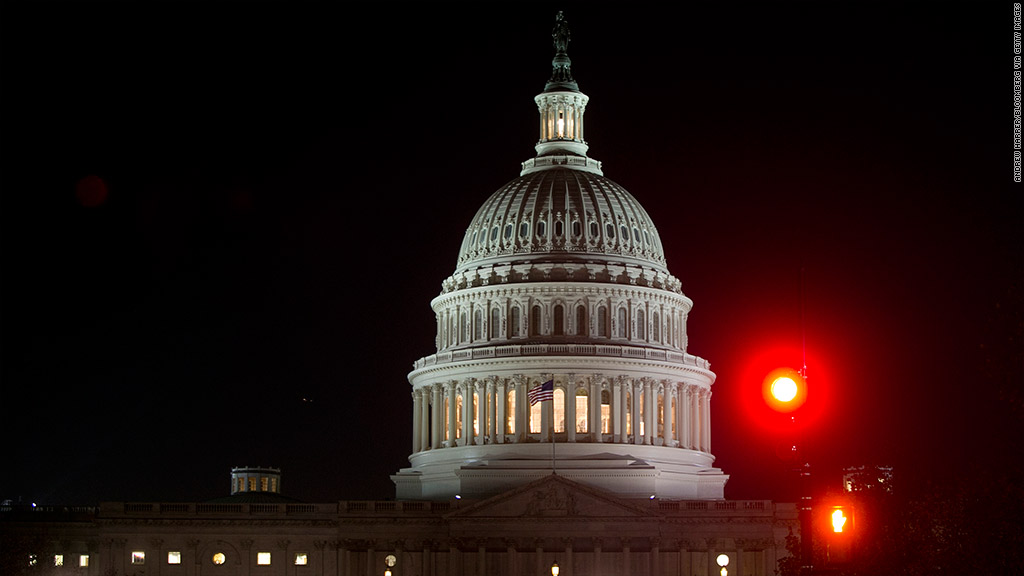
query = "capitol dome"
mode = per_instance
[
  {"x": 561, "y": 338},
  {"x": 566, "y": 221}
]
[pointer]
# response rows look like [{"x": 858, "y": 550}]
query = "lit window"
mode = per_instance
[
  {"x": 263, "y": 558},
  {"x": 510, "y": 412},
  {"x": 535, "y": 417},
  {"x": 252, "y": 484},
  {"x": 264, "y": 484},
  {"x": 174, "y": 557},
  {"x": 301, "y": 559},
  {"x": 33, "y": 559},
  {"x": 83, "y": 561},
  {"x": 58, "y": 559},
  {"x": 138, "y": 557},
  {"x": 219, "y": 558},
  {"x": 582, "y": 413},
  {"x": 559, "y": 410}
]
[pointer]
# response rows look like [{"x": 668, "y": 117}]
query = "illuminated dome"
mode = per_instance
[
  {"x": 571, "y": 222},
  {"x": 561, "y": 339}
]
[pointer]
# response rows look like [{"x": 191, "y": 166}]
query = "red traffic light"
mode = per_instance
[{"x": 784, "y": 389}]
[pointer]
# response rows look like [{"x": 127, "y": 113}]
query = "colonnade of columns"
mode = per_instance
[
  {"x": 641, "y": 556},
  {"x": 621, "y": 410}
]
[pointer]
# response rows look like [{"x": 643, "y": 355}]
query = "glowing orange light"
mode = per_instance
[
  {"x": 784, "y": 389},
  {"x": 838, "y": 520}
]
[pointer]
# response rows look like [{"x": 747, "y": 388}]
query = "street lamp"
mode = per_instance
[
  {"x": 723, "y": 561},
  {"x": 554, "y": 569},
  {"x": 785, "y": 391}
]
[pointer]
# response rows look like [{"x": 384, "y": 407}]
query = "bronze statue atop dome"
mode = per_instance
[{"x": 560, "y": 33}]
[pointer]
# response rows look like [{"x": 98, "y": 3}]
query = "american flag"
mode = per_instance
[{"x": 542, "y": 392}]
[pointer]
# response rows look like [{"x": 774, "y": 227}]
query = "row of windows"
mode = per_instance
[
  {"x": 459, "y": 331},
  {"x": 479, "y": 237},
  {"x": 582, "y": 418},
  {"x": 138, "y": 558}
]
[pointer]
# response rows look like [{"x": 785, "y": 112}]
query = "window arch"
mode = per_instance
[
  {"x": 559, "y": 410},
  {"x": 606, "y": 412},
  {"x": 582, "y": 410},
  {"x": 655, "y": 327},
  {"x": 535, "y": 417},
  {"x": 535, "y": 319},
  {"x": 478, "y": 324},
  {"x": 581, "y": 320},
  {"x": 641, "y": 326},
  {"x": 620, "y": 329},
  {"x": 510, "y": 411},
  {"x": 558, "y": 320},
  {"x": 458, "y": 416},
  {"x": 602, "y": 321},
  {"x": 463, "y": 327},
  {"x": 514, "y": 322},
  {"x": 495, "y": 324}
]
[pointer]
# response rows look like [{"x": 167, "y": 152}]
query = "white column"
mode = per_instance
[
  {"x": 650, "y": 422},
  {"x": 617, "y": 404},
  {"x": 595, "y": 410},
  {"x": 416, "y": 416},
  {"x": 500, "y": 398},
  {"x": 706, "y": 420},
  {"x": 424, "y": 419},
  {"x": 437, "y": 417},
  {"x": 521, "y": 411},
  {"x": 467, "y": 412},
  {"x": 694, "y": 400},
  {"x": 681, "y": 435},
  {"x": 570, "y": 410},
  {"x": 666, "y": 412},
  {"x": 451, "y": 414},
  {"x": 492, "y": 402},
  {"x": 481, "y": 412},
  {"x": 638, "y": 389}
]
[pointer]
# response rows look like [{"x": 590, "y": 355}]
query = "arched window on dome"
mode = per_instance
[
  {"x": 542, "y": 229},
  {"x": 558, "y": 320},
  {"x": 655, "y": 327},
  {"x": 476, "y": 415},
  {"x": 559, "y": 409},
  {"x": 493, "y": 329},
  {"x": 514, "y": 322},
  {"x": 535, "y": 411},
  {"x": 660, "y": 416},
  {"x": 673, "y": 416},
  {"x": 609, "y": 231},
  {"x": 463, "y": 328},
  {"x": 595, "y": 230},
  {"x": 582, "y": 410},
  {"x": 581, "y": 320},
  {"x": 494, "y": 234},
  {"x": 458, "y": 416},
  {"x": 524, "y": 229},
  {"x": 606, "y": 412},
  {"x": 508, "y": 231},
  {"x": 510, "y": 411},
  {"x": 447, "y": 407},
  {"x": 559, "y": 229},
  {"x": 478, "y": 325},
  {"x": 629, "y": 412},
  {"x": 641, "y": 326},
  {"x": 624, "y": 234},
  {"x": 577, "y": 229},
  {"x": 636, "y": 234},
  {"x": 535, "y": 320},
  {"x": 602, "y": 321},
  {"x": 620, "y": 327}
]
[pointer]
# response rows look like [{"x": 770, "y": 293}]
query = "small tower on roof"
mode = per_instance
[{"x": 561, "y": 105}]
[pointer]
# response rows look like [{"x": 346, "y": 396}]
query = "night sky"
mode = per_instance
[{"x": 223, "y": 223}]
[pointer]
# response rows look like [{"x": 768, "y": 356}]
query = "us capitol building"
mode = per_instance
[{"x": 561, "y": 421}]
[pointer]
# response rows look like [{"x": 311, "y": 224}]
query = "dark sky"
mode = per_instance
[{"x": 288, "y": 184}]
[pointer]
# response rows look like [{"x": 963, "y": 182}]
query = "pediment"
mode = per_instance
[{"x": 553, "y": 496}]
